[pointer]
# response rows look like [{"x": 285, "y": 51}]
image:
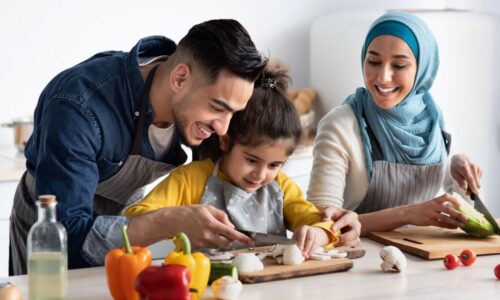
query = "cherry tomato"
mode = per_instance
[
  {"x": 467, "y": 257},
  {"x": 497, "y": 271},
  {"x": 451, "y": 261}
]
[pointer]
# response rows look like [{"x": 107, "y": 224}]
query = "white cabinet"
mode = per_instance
[
  {"x": 299, "y": 165},
  {"x": 7, "y": 191}
]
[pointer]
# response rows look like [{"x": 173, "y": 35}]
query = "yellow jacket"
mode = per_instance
[{"x": 185, "y": 186}]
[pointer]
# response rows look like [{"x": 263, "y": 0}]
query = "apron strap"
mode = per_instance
[
  {"x": 139, "y": 131},
  {"x": 447, "y": 140},
  {"x": 216, "y": 168}
]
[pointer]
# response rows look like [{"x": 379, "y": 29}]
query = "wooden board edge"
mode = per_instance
[
  {"x": 352, "y": 251},
  {"x": 403, "y": 247},
  {"x": 250, "y": 278}
]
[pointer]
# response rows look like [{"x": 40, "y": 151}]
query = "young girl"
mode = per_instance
[{"x": 244, "y": 179}]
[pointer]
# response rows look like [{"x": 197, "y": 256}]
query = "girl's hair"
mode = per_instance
[{"x": 269, "y": 115}]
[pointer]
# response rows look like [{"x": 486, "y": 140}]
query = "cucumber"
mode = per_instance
[{"x": 217, "y": 270}]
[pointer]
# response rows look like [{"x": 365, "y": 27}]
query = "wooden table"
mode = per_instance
[{"x": 422, "y": 280}]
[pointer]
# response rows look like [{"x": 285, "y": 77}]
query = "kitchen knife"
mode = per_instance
[
  {"x": 480, "y": 207},
  {"x": 270, "y": 239}
]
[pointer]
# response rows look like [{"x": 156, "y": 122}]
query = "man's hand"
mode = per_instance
[
  {"x": 466, "y": 173},
  {"x": 205, "y": 225},
  {"x": 347, "y": 222}
]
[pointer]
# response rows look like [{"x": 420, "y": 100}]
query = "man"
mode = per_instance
[{"x": 115, "y": 122}]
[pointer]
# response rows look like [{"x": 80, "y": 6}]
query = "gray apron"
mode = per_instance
[
  {"x": 396, "y": 184},
  {"x": 111, "y": 197},
  {"x": 259, "y": 211}
]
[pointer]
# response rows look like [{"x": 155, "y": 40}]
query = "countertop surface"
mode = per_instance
[
  {"x": 422, "y": 279},
  {"x": 12, "y": 164}
]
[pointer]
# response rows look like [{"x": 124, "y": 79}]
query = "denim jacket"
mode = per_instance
[{"x": 83, "y": 132}]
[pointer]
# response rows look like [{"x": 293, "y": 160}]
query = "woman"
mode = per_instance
[{"x": 383, "y": 153}]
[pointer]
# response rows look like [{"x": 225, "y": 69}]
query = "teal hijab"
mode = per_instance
[{"x": 410, "y": 132}]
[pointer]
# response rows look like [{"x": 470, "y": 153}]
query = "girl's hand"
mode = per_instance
[
  {"x": 309, "y": 238},
  {"x": 434, "y": 212},
  {"x": 466, "y": 173}
]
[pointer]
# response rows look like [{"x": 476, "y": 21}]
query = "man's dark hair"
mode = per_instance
[{"x": 222, "y": 44}]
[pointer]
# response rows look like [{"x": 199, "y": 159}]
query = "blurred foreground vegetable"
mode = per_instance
[
  {"x": 197, "y": 263},
  {"x": 167, "y": 282},
  {"x": 123, "y": 266}
]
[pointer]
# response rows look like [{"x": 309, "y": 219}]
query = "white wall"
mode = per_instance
[{"x": 41, "y": 38}]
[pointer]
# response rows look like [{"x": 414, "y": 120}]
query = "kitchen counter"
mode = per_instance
[
  {"x": 12, "y": 164},
  {"x": 422, "y": 280}
]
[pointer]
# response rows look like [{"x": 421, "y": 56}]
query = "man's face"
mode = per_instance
[{"x": 206, "y": 108}]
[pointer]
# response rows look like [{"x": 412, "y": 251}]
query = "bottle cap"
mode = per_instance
[{"x": 47, "y": 200}]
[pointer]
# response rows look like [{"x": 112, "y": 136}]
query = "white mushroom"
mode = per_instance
[
  {"x": 221, "y": 256},
  {"x": 320, "y": 254},
  {"x": 226, "y": 287},
  {"x": 393, "y": 259},
  {"x": 247, "y": 262},
  {"x": 292, "y": 255}
]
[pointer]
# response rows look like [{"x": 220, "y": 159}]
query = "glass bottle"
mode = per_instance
[{"x": 47, "y": 254}]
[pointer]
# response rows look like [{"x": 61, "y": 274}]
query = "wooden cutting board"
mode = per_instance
[
  {"x": 274, "y": 271},
  {"x": 432, "y": 242}
]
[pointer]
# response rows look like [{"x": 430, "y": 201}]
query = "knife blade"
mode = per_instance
[
  {"x": 266, "y": 238},
  {"x": 480, "y": 207}
]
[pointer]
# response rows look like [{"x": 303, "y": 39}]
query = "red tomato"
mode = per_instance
[
  {"x": 497, "y": 271},
  {"x": 467, "y": 257},
  {"x": 451, "y": 261}
]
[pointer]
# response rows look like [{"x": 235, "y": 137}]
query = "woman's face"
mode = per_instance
[{"x": 389, "y": 70}]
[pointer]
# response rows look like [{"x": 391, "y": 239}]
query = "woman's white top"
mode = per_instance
[{"x": 339, "y": 175}]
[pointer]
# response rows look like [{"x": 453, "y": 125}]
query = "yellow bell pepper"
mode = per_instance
[{"x": 197, "y": 263}]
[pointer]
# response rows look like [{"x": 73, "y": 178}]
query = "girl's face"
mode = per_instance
[
  {"x": 250, "y": 167},
  {"x": 389, "y": 70}
]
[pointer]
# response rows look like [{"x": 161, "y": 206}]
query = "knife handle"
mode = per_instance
[{"x": 471, "y": 194}]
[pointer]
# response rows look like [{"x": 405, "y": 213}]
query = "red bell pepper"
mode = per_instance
[{"x": 166, "y": 282}]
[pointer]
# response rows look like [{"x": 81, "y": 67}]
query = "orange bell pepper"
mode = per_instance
[
  {"x": 197, "y": 263},
  {"x": 123, "y": 266}
]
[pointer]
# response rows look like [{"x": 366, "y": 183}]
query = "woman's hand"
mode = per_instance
[
  {"x": 466, "y": 173},
  {"x": 346, "y": 221},
  {"x": 309, "y": 238},
  {"x": 435, "y": 212}
]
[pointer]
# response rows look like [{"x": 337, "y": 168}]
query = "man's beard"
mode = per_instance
[{"x": 180, "y": 122}]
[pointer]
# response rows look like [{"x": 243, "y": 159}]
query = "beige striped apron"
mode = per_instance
[
  {"x": 259, "y": 211},
  {"x": 111, "y": 197},
  {"x": 395, "y": 184}
]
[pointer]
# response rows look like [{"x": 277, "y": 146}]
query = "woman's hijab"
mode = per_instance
[{"x": 410, "y": 132}]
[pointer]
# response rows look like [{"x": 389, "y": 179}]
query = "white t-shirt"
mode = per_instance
[{"x": 160, "y": 138}]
